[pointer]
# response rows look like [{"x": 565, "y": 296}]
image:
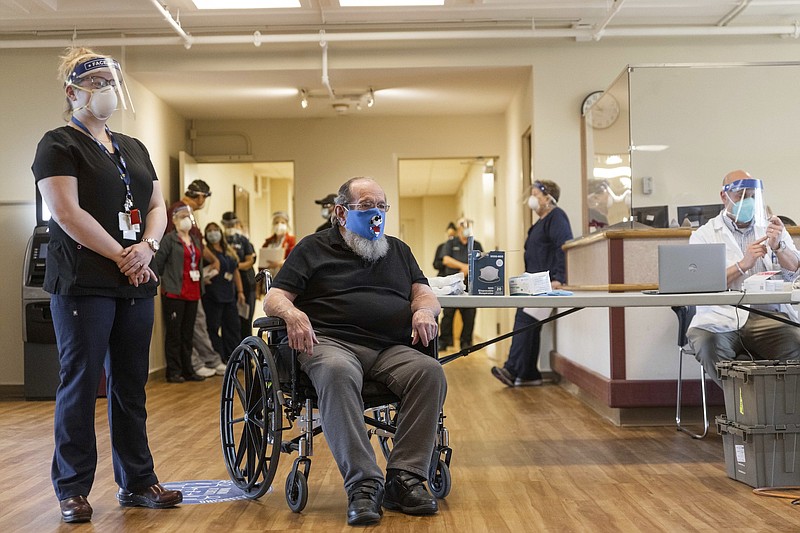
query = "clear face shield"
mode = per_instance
[
  {"x": 102, "y": 78},
  {"x": 746, "y": 202},
  {"x": 183, "y": 212}
]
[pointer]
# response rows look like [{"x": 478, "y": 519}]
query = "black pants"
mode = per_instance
[
  {"x": 179, "y": 318},
  {"x": 223, "y": 317},
  {"x": 446, "y": 330},
  {"x": 523, "y": 357},
  {"x": 93, "y": 331},
  {"x": 247, "y": 323}
]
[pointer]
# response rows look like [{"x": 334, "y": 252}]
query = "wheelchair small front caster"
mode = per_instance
[
  {"x": 439, "y": 480},
  {"x": 296, "y": 491}
]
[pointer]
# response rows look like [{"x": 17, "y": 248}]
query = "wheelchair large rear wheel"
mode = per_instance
[{"x": 250, "y": 417}]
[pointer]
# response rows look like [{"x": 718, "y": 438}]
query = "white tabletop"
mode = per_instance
[{"x": 622, "y": 299}]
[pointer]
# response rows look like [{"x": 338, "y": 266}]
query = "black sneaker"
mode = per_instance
[
  {"x": 406, "y": 492},
  {"x": 504, "y": 375},
  {"x": 365, "y": 503}
]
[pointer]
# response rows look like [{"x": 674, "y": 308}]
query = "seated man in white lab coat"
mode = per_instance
[{"x": 754, "y": 243}]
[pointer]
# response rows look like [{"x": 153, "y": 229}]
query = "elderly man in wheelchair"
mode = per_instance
[{"x": 352, "y": 298}]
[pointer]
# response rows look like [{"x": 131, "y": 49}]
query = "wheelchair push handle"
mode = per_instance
[{"x": 266, "y": 277}]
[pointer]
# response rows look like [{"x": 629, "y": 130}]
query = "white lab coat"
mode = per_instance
[{"x": 721, "y": 318}]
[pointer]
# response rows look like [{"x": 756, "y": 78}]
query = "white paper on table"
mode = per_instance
[{"x": 539, "y": 313}]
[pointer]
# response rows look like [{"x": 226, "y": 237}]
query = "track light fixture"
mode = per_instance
[{"x": 341, "y": 102}]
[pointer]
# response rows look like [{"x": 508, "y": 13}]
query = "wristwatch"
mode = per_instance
[
  {"x": 781, "y": 246},
  {"x": 153, "y": 243}
]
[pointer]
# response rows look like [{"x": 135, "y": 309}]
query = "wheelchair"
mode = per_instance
[{"x": 264, "y": 393}]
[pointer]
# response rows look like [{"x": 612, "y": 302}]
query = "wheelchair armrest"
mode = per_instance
[{"x": 269, "y": 323}]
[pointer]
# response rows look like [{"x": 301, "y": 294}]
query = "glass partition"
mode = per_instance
[
  {"x": 607, "y": 162},
  {"x": 680, "y": 129}
]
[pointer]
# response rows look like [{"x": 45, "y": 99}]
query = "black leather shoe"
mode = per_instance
[
  {"x": 154, "y": 497},
  {"x": 407, "y": 493},
  {"x": 75, "y": 509},
  {"x": 194, "y": 377},
  {"x": 365, "y": 503},
  {"x": 175, "y": 379}
]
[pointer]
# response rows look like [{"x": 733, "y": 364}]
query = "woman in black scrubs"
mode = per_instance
[
  {"x": 223, "y": 294},
  {"x": 107, "y": 217}
]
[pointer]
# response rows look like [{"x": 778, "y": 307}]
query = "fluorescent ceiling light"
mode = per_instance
[
  {"x": 649, "y": 148},
  {"x": 387, "y": 3},
  {"x": 245, "y": 4}
]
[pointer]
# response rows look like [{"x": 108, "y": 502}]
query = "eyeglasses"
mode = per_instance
[
  {"x": 98, "y": 82},
  {"x": 364, "y": 206}
]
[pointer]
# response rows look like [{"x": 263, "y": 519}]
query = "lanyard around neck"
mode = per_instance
[{"x": 122, "y": 166}]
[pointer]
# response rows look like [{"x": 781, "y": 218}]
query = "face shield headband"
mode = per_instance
[
  {"x": 97, "y": 65},
  {"x": 542, "y": 187},
  {"x": 746, "y": 201}
]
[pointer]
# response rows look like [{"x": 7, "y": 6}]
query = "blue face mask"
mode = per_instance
[
  {"x": 744, "y": 210},
  {"x": 368, "y": 224}
]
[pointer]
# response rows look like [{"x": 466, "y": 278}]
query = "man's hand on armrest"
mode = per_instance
[
  {"x": 298, "y": 327},
  {"x": 423, "y": 326}
]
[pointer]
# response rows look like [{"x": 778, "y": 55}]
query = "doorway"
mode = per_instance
[{"x": 435, "y": 192}]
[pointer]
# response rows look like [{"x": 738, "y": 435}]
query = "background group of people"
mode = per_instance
[{"x": 209, "y": 288}]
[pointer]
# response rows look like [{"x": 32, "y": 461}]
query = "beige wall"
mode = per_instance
[{"x": 327, "y": 152}]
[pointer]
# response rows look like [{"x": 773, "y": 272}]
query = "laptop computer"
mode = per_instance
[{"x": 685, "y": 268}]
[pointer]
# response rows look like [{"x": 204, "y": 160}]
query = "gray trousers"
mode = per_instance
[
  {"x": 203, "y": 353},
  {"x": 338, "y": 371},
  {"x": 762, "y": 337}
]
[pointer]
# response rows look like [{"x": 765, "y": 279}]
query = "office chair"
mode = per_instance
[{"x": 685, "y": 313}]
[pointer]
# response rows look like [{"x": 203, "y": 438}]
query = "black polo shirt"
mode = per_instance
[
  {"x": 458, "y": 251},
  {"x": 348, "y": 298}
]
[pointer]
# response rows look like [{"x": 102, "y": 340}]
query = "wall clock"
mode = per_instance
[{"x": 604, "y": 114}]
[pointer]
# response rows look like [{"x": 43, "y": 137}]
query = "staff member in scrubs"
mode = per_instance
[{"x": 108, "y": 215}]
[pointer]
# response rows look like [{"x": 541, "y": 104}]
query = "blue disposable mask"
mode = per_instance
[
  {"x": 368, "y": 223},
  {"x": 744, "y": 210}
]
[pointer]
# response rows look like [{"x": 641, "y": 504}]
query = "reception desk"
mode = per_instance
[{"x": 623, "y": 361}]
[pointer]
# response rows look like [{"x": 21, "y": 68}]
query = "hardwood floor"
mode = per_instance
[{"x": 531, "y": 459}]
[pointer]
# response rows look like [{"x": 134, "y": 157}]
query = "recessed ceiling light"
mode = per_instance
[
  {"x": 245, "y": 4},
  {"x": 387, "y": 3}
]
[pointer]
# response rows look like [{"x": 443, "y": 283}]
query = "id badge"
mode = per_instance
[
  {"x": 228, "y": 276},
  {"x": 194, "y": 275},
  {"x": 126, "y": 227}
]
